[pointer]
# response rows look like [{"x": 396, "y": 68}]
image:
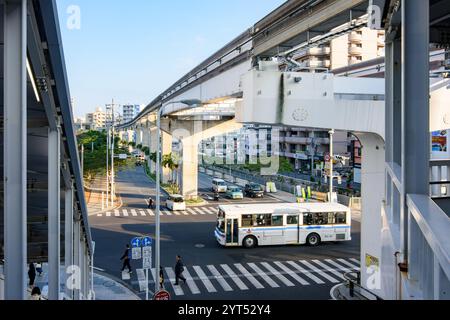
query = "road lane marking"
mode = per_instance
[
  {"x": 177, "y": 213},
  {"x": 306, "y": 273},
  {"x": 99, "y": 215},
  {"x": 349, "y": 264},
  {"x": 234, "y": 277},
  {"x": 185, "y": 213},
  {"x": 277, "y": 274},
  {"x": 150, "y": 212},
  {"x": 167, "y": 212},
  {"x": 219, "y": 278},
  {"x": 318, "y": 271},
  {"x": 192, "y": 211},
  {"x": 211, "y": 210},
  {"x": 141, "y": 279},
  {"x": 190, "y": 282},
  {"x": 200, "y": 211},
  {"x": 116, "y": 213},
  {"x": 125, "y": 212},
  {"x": 133, "y": 213},
  {"x": 357, "y": 265},
  {"x": 206, "y": 282},
  {"x": 108, "y": 214},
  {"x": 247, "y": 274},
  {"x": 263, "y": 275},
  {"x": 327, "y": 268},
  {"x": 177, "y": 289},
  {"x": 291, "y": 273},
  {"x": 143, "y": 214},
  {"x": 338, "y": 266}
]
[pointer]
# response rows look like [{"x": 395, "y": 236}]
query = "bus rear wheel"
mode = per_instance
[
  {"x": 313, "y": 240},
  {"x": 250, "y": 242}
]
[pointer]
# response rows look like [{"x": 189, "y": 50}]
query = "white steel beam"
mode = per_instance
[
  {"x": 15, "y": 148},
  {"x": 69, "y": 237},
  {"x": 54, "y": 213}
]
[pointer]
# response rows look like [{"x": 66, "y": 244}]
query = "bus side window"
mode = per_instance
[
  {"x": 307, "y": 219},
  {"x": 341, "y": 218},
  {"x": 292, "y": 220},
  {"x": 277, "y": 221},
  {"x": 320, "y": 218},
  {"x": 264, "y": 220},
  {"x": 247, "y": 220}
]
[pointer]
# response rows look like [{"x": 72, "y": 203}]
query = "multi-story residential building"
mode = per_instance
[
  {"x": 360, "y": 45},
  {"x": 130, "y": 111},
  {"x": 80, "y": 124},
  {"x": 96, "y": 120}
]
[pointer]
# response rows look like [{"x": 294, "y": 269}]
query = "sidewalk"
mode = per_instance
[
  {"x": 94, "y": 196},
  {"x": 105, "y": 287}
]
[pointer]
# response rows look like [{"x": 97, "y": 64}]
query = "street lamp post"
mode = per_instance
[
  {"x": 158, "y": 182},
  {"x": 331, "y": 132}
]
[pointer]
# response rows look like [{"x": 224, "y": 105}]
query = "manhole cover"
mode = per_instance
[{"x": 199, "y": 246}]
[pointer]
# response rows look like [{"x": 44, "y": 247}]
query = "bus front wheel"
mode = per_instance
[
  {"x": 313, "y": 240},
  {"x": 250, "y": 242}
]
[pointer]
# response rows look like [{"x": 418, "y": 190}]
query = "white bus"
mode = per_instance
[{"x": 282, "y": 224}]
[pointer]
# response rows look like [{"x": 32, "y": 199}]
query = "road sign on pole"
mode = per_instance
[
  {"x": 136, "y": 253},
  {"x": 136, "y": 243},
  {"x": 147, "y": 258},
  {"x": 147, "y": 242},
  {"x": 162, "y": 296}
]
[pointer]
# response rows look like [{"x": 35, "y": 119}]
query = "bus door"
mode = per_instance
[{"x": 232, "y": 232}]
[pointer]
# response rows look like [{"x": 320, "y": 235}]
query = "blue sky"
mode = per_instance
[{"x": 133, "y": 50}]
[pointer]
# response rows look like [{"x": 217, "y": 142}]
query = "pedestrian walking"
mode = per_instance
[
  {"x": 150, "y": 203},
  {"x": 179, "y": 269},
  {"x": 31, "y": 274},
  {"x": 35, "y": 294},
  {"x": 126, "y": 259},
  {"x": 39, "y": 268},
  {"x": 161, "y": 277}
]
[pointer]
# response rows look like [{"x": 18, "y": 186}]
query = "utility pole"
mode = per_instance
[
  {"x": 331, "y": 165},
  {"x": 112, "y": 154},
  {"x": 107, "y": 156}
]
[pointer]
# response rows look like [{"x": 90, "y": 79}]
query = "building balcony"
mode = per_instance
[
  {"x": 355, "y": 37},
  {"x": 353, "y": 61},
  {"x": 317, "y": 64},
  {"x": 323, "y": 51},
  {"x": 355, "y": 51},
  {"x": 296, "y": 140}
]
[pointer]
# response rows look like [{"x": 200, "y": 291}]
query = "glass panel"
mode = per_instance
[
  {"x": 341, "y": 218},
  {"x": 292, "y": 220},
  {"x": 262, "y": 220},
  {"x": 235, "y": 231},
  {"x": 229, "y": 231},
  {"x": 247, "y": 220},
  {"x": 277, "y": 221}
]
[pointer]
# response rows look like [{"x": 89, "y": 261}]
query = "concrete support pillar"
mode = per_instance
[
  {"x": 372, "y": 191},
  {"x": 15, "y": 148},
  {"x": 54, "y": 213},
  {"x": 68, "y": 231},
  {"x": 189, "y": 168},
  {"x": 415, "y": 107},
  {"x": 166, "y": 149}
]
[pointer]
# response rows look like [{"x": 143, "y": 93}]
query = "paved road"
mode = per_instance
[{"x": 213, "y": 272}]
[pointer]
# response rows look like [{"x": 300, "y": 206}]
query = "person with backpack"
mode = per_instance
[
  {"x": 126, "y": 259},
  {"x": 179, "y": 269}
]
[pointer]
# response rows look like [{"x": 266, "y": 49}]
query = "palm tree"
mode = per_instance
[{"x": 171, "y": 162}]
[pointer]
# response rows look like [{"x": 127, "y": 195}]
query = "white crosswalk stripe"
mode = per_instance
[
  {"x": 108, "y": 214},
  {"x": 352, "y": 265},
  {"x": 150, "y": 212},
  {"x": 210, "y": 279},
  {"x": 211, "y": 210},
  {"x": 249, "y": 276},
  {"x": 166, "y": 212},
  {"x": 219, "y": 278},
  {"x": 206, "y": 282},
  {"x": 305, "y": 272},
  {"x": 177, "y": 213},
  {"x": 143, "y": 214},
  {"x": 185, "y": 213},
  {"x": 292, "y": 273},
  {"x": 318, "y": 271},
  {"x": 277, "y": 274},
  {"x": 177, "y": 289},
  {"x": 191, "y": 211},
  {"x": 233, "y": 276},
  {"x": 190, "y": 282},
  {"x": 264, "y": 276},
  {"x": 200, "y": 211},
  {"x": 125, "y": 213},
  {"x": 327, "y": 268},
  {"x": 141, "y": 279},
  {"x": 116, "y": 213},
  {"x": 133, "y": 213}
]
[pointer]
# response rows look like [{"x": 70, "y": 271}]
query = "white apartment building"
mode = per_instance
[
  {"x": 96, "y": 120},
  {"x": 130, "y": 111}
]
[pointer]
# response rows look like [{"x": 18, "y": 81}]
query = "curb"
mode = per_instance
[{"x": 119, "y": 281}]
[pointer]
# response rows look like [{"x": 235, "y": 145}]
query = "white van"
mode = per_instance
[
  {"x": 176, "y": 202},
  {"x": 219, "y": 186}
]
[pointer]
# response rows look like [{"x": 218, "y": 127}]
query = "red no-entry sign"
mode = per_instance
[{"x": 162, "y": 296}]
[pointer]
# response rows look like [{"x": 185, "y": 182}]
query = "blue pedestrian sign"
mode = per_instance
[
  {"x": 147, "y": 242},
  {"x": 136, "y": 243}
]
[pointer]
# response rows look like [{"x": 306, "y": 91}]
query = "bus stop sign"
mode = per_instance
[{"x": 162, "y": 296}]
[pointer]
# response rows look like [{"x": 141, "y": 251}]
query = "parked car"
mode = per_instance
[
  {"x": 176, "y": 202},
  {"x": 219, "y": 186},
  {"x": 235, "y": 193},
  {"x": 254, "y": 190}
]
